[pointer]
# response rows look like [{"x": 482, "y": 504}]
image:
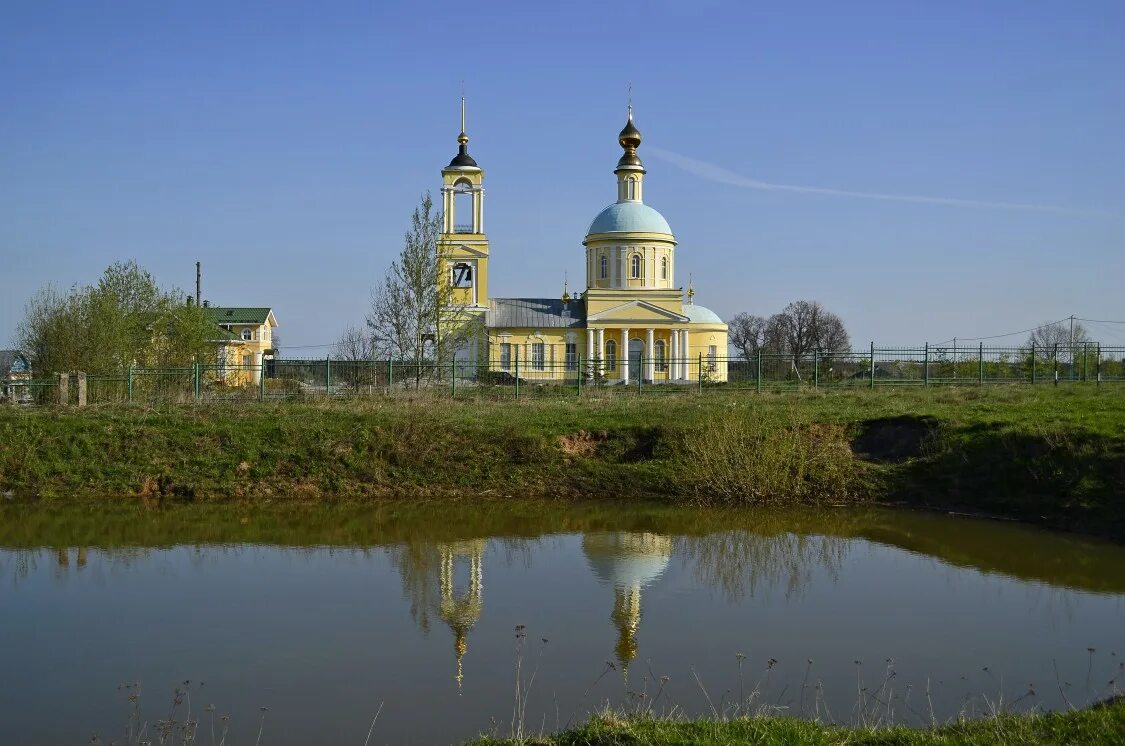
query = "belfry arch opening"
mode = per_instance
[{"x": 463, "y": 199}]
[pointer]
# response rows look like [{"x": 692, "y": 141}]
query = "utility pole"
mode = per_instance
[{"x": 198, "y": 282}]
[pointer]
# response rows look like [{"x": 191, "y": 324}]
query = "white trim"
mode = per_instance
[{"x": 669, "y": 315}]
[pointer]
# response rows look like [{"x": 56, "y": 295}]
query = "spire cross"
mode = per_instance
[
  {"x": 630, "y": 100},
  {"x": 462, "y": 106}
]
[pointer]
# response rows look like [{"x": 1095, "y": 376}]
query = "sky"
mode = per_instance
[{"x": 925, "y": 170}]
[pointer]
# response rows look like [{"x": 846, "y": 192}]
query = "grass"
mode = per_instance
[
  {"x": 1096, "y": 725},
  {"x": 1045, "y": 454}
]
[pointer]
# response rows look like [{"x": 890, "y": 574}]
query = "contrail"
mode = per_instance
[{"x": 712, "y": 172}]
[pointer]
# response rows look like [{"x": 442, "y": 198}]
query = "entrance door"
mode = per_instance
[{"x": 636, "y": 349}]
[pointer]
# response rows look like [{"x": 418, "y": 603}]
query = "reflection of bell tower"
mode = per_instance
[
  {"x": 461, "y": 610},
  {"x": 628, "y": 561}
]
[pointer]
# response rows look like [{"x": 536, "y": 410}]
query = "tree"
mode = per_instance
[
  {"x": 1059, "y": 333},
  {"x": 413, "y": 317},
  {"x": 125, "y": 319},
  {"x": 747, "y": 333},
  {"x": 356, "y": 344}
]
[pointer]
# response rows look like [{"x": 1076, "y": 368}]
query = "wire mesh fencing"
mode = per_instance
[{"x": 759, "y": 371}]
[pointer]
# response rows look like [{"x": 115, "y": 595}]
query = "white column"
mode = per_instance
[
  {"x": 589, "y": 349},
  {"x": 674, "y": 369},
  {"x": 601, "y": 351},
  {"x": 623, "y": 355},
  {"x": 650, "y": 357},
  {"x": 257, "y": 367},
  {"x": 686, "y": 351},
  {"x": 481, "y": 209}
]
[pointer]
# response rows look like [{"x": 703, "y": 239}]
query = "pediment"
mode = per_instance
[{"x": 638, "y": 311}]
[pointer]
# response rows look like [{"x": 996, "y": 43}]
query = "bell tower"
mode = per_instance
[{"x": 463, "y": 243}]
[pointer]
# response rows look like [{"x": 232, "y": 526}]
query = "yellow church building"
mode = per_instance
[{"x": 633, "y": 321}]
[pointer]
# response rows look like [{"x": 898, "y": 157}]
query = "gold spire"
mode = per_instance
[
  {"x": 690, "y": 291},
  {"x": 566, "y": 295}
]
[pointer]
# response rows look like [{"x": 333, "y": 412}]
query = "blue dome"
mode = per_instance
[
  {"x": 629, "y": 217},
  {"x": 701, "y": 315}
]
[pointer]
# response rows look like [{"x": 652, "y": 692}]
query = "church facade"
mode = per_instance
[{"x": 632, "y": 321}]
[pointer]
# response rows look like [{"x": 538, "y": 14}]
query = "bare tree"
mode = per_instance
[
  {"x": 747, "y": 333},
  {"x": 355, "y": 343},
  {"x": 413, "y": 317},
  {"x": 1059, "y": 333}
]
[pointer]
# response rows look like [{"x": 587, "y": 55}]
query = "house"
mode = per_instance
[
  {"x": 245, "y": 342},
  {"x": 15, "y": 375},
  {"x": 634, "y": 321}
]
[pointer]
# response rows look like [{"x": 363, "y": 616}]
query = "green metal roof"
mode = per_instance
[
  {"x": 222, "y": 335},
  {"x": 237, "y": 315}
]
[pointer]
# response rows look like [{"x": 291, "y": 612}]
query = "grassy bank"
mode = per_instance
[
  {"x": 1098, "y": 725},
  {"x": 1049, "y": 455}
]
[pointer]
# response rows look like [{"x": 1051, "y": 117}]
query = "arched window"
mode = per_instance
[
  {"x": 247, "y": 335},
  {"x": 603, "y": 270},
  {"x": 658, "y": 355},
  {"x": 635, "y": 267},
  {"x": 664, "y": 268},
  {"x": 631, "y": 186},
  {"x": 610, "y": 355}
]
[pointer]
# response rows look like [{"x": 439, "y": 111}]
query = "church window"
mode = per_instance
[
  {"x": 632, "y": 188},
  {"x": 505, "y": 356},
  {"x": 635, "y": 267},
  {"x": 664, "y": 268},
  {"x": 659, "y": 357},
  {"x": 712, "y": 358},
  {"x": 603, "y": 269},
  {"x": 572, "y": 356},
  {"x": 610, "y": 355},
  {"x": 538, "y": 355},
  {"x": 246, "y": 362},
  {"x": 247, "y": 335}
]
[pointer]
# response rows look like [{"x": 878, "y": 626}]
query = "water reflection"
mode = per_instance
[{"x": 627, "y": 562}]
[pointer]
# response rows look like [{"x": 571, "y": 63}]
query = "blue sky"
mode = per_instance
[{"x": 284, "y": 145}]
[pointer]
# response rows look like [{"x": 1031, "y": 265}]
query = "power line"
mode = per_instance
[
  {"x": 1099, "y": 321},
  {"x": 1009, "y": 334}
]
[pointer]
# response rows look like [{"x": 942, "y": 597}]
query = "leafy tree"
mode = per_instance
[
  {"x": 413, "y": 317},
  {"x": 124, "y": 319}
]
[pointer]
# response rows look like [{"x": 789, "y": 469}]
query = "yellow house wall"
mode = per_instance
[
  {"x": 235, "y": 373},
  {"x": 521, "y": 339}
]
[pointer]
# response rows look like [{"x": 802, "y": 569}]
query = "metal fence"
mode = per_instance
[{"x": 876, "y": 367}]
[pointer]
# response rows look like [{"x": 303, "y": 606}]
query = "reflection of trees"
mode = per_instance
[
  {"x": 737, "y": 563},
  {"x": 447, "y": 579}
]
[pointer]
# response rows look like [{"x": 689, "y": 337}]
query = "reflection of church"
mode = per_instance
[
  {"x": 628, "y": 562},
  {"x": 461, "y": 610},
  {"x": 447, "y": 579}
]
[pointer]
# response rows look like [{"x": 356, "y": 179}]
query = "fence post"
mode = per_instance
[
  {"x": 816, "y": 368},
  {"x": 758, "y": 374},
  {"x": 81, "y": 385},
  {"x": 640, "y": 371},
  {"x": 196, "y": 375},
  {"x": 1098, "y": 363},
  {"x": 328, "y": 376},
  {"x": 926, "y": 366},
  {"x": 578, "y": 376},
  {"x": 871, "y": 382},
  {"x": 980, "y": 361},
  {"x": 1085, "y": 361},
  {"x": 390, "y": 373},
  {"x": 262, "y": 383},
  {"x": 1055, "y": 361},
  {"x": 64, "y": 389},
  {"x": 453, "y": 384},
  {"x": 517, "y": 354},
  {"x": 700, "y": 376},
  {"x": 129, "y": 385},
  {"x": 1033, "y": 362}
]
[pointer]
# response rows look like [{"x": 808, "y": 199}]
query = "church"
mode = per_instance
[{"x": 631, "y": 323}]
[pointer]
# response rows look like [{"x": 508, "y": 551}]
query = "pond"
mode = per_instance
[{"x": 435, "y": 616}]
